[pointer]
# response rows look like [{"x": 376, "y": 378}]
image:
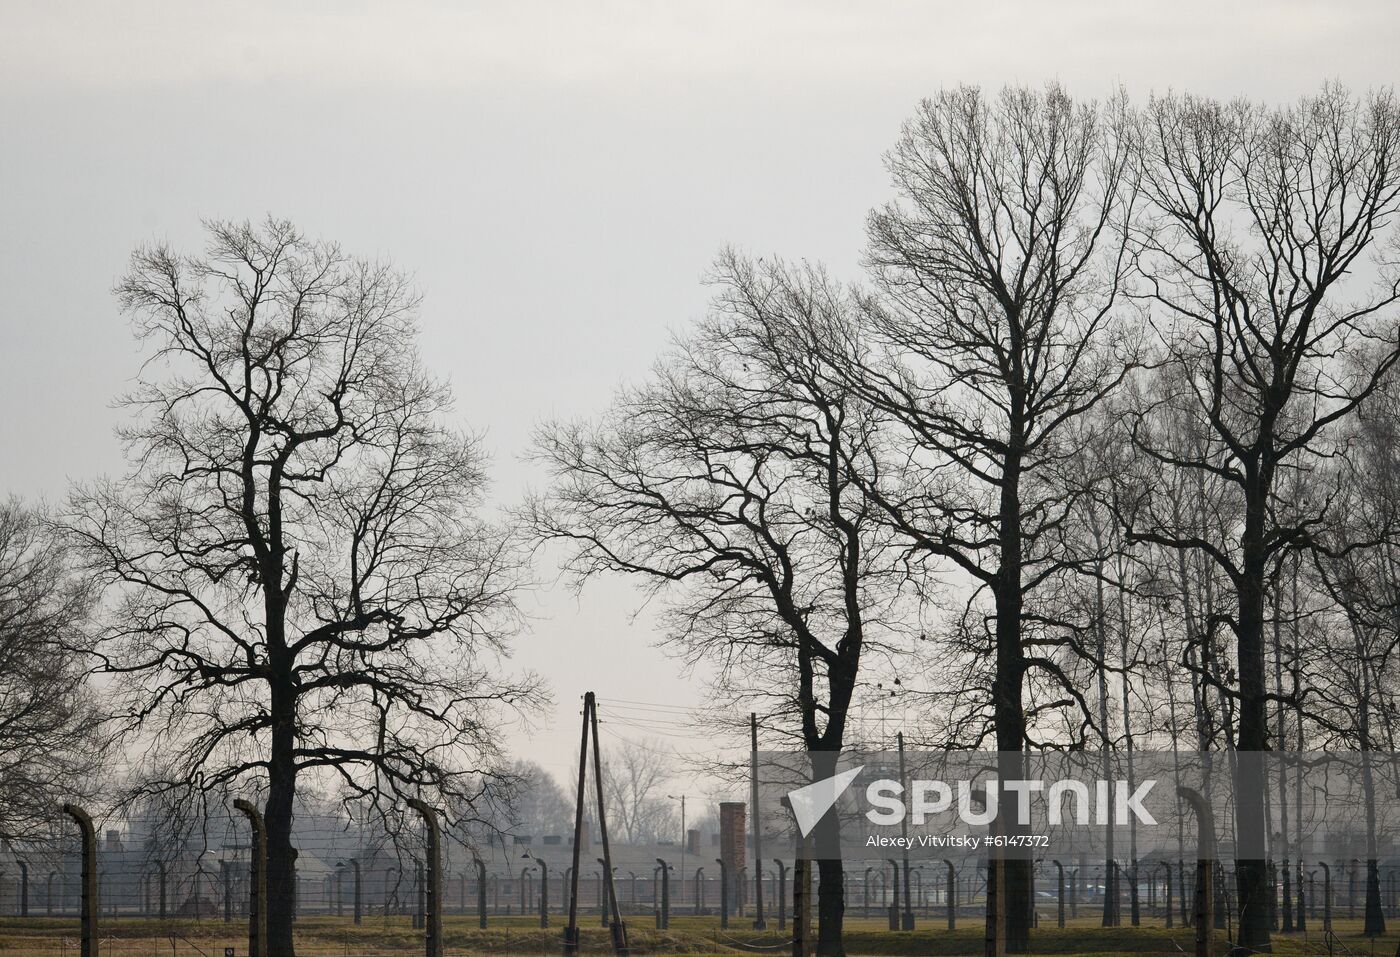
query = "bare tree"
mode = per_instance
[
  {"x": 300, "y": 585},
  {"x": 727, "y": 483},
  {"x": 538, "y": 804},
  {"x": 1276, "y": 328},
  {"x": 634, "y": 781},
  {"x": 50, "y": 732},
  {"x": 1352, "y": 680},
  {"x": 999, "y": 268}
]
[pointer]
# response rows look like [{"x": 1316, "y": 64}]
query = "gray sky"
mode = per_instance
[{"x": 556, "y": 175}]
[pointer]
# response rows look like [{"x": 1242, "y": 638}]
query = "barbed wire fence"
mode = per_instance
[{"x": 355, "y": 895}]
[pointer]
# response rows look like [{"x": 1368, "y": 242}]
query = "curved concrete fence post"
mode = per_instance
[
  {"x": 433, "y": 885},
  {"x": 257, "y": 880},
  {"x": 1205, "y": 871},
  {"x": 88, "y": 927}
]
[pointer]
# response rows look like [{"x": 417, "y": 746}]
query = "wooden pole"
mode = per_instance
[
  {"x": 619, "y": 929},
  {"x": 571, "y": 928},
  {"x": 758, "y": 923},
  {"x": 907, "y": 920}
]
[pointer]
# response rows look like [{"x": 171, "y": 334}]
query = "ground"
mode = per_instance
[{"x": 380, "y": 937}]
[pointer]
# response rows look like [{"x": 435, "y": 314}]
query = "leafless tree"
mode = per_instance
[
  {"x": 300, "y": 586},
  {"x": 999, "y": 268},
  {"x": 1351, "y": 684},
  {"x": 50, "y": 729},
  {"x": 727, "y": 483},
  {"x": 1276, "y": 328},
  {"x": 634, "y": 781},
  {"x": 538, "y": 804}
]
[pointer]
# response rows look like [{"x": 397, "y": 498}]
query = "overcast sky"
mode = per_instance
[{"x": 556, "y": 176}]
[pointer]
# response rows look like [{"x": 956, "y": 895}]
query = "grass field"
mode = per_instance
[{"x": 380, "y": 937}]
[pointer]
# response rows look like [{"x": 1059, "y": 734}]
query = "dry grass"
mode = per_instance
[{"x": 394, "y": 937}]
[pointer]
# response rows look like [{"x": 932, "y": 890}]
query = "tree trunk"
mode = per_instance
[
  {"x": 1282, "y": 720},
  {"x": 1008, "y": 713},
  {"x": 831, "y": 908},
  {"x": 281, "y": 855},
  {"x": 831, "y": 889},
  {"x": 1252, "y": 875},
  {"x": 1110, "y": 896},
  {"x": 1375, "y": 918}
]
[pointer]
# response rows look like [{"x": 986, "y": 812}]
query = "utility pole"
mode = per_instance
[
  {"x": 609, "y": 903},
  {"x": 758, "y": 923},
  {"x": 907, "y": 923},
  {"x": 571, "y": 929},
  {"x": 685, "y": 838}
]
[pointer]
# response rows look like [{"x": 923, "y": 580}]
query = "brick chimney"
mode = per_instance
[{"x": 732, "y": 846}]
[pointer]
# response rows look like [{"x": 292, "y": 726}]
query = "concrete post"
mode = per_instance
[
  {"x": 420, "y": 897},
  {"x": 1060, "y": 914},
  {"x": 1205, "y": 871},
  {"x": 227, "y": 880},
  {"x": 664, "y": 914},
  {"x": 88, "y": 926},
  {"x": 358, "y": 899},
  {"x": 433, "y": 887},
  {"x": 782, "y": 893},
  {"x": 723, "y": 893},
  {"x": 1168, "y": 868},
  {"x": 1326, "y": 895},
  {"x": 951, "y": 896},
  {"x": 257, "y": 880},
  {"x": 481, "y": 892},
  {"x": 894, "y": 900},
  {"x": 544, "y": 890}
]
